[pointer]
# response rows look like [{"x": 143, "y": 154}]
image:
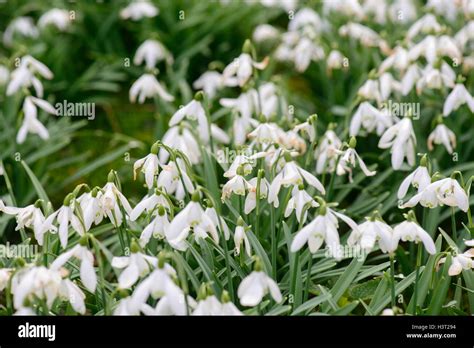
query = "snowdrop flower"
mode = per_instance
[
  {"x": 304, "y": 18},
  {"x": 419, "y": 179},
  {"x": 388, "y": 84},
  {"x": 87, "y": 272},
  {"x": 210, "y": 82},
  {"x": 193, "y": 111},
  {"x": 158, "y": 227},
  {"x": 369, "y": 118},
  {"x": 31, "y": 123},
  {"x": 251, "y": 199},
  {"x": 112, "y": 200},
  {"x": 410, "y": 78},
  {"x": 335, "y": 60},
  {"x": 126, "y": 306},
  {"x": 24, "y": 76},
  {"x": 149, "y": 165},
  {"x": 30, "y": 216},
  {"x": 21, "y": 25},
  {"x": 308, "y": 127},
  {"x": 300, "y": 202},
  {"x": 267, "y": 133},
  {"x": 426, "y": 24},
  {"x": 398, "y": 59},
  {"x": 434, "y": 78},
  {"x": 366, "y": 36},
  {"x": 147, "y": 86},
  {"x": 134, "y": 266},
  {"x": 191, "y": 219},
  {"x": 57, "y": 17},
  {"x": 240, "y": 237},
  {"x": 463, "y": 36},
  {"x": 151, "y": 52},
  {"x": 181, "y": 138},
  {"x": 326, "y": 151},
  {"x": 236, "y": 185},
  {"x": 445, "y": 191},
  {"x": 348, "y": 159},
  {"x": 174, "y": 179},
  {"x": 371, "y": 231},
  {"x": 265, "y": 32},
  {"x": 458, "y": 96},
  {"x": 244, "y": 104},
  {"x": 292, "y": 174},
  {"x": 208, "y": 306},
  {"x": 149, "y": 203},
  {"x": 401, "y": 140},
  {"x": 410, "y": 231},
  {"x": 44, "y": 284},
  {"x": 469, "y": 242},
  {"x": 217, "y": 220},
  {"x": 370, "y": 90},
  {"x": 376, "y": 8},
  {"x": 402, "y": 11},
  {"x": 442, "y": 135},
  {"x": 245, "y": 162},
  {"x": 91, "y": 209},
  {"x": 255, "y": 286},
  {"x": 322, "y": 229},
  {"x": 459, "y": 262},
  {"x": 240, "y": 70},
  {"x": 305, "y": 52},
  {"x": 227, "y": 307},
  {"x": 139, "y": 9}
]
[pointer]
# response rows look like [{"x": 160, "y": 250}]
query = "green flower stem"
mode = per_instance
[
  {"x": 101, "y": 275},
  {"x": 453, "y": 226},
  {"x": 308, "y": 277},
  {"x": 392, "y": 282},
  {"x": 417, "y": 275}
]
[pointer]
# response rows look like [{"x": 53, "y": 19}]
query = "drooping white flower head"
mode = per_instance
[
  {"x": 139, "y": 9},
  {"x": 371, "y": 119},
  {"x": 193, "y": 111},
  {"x": 326, "y": 152},
  {"x": 300, "y": 202},
  {"x": 240, "y": 70},
  {"x": 149, "y": 165},
  {"x": 420, "y": 178},
  {"x": 240, "y": 237},
  {"x": 436, "y": 78},
  {"x": 152, "y": 52},
  {"x": 349, "y": 159},
  {"x": 30, "y": 216},
  {"x": 401, "y": 140},
  {"x": 372, "y": 231},
  {"x": 251, "y": 199},
  {"x": 412, "y": 232},
  {"x": 255, "y": 286},
  {"x": 59, "y": 18},
  {"x": 442, "y": 135},
  {"x": 147, "y": 86},
  {"x": 426, "y": 24},
  {"x": 24, "y": 76},
  {"x": 23, "y": 26},
  {"x": 265, "y": 32},
  {"x": 31, "y": 124},
  {"x": 135, "y": 266},
  {"x": 87, "y": 272},
  {"x": 210, "y": 82},
  {"x": 112, "y": 200},
  {"x": 174, "y": 179},
  {"x": 458, "y": 96},
  {"x": 459, "y": 262}
]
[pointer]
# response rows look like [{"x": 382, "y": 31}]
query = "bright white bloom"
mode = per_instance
[
  {"x": 23, "y": 26},
  {"x": 251, "y": 199},
  {"x": 134, "y": 266},
  {"x": 412, "y": 232},
  {"x": 265, "y": 32},
  {"x": 149, "y": 203},
  {"x": 458, "y": 96},
  {"x": 348, "y": 160},
  {"x": 388, "y": 84},
  {"x": 111, "y": 201},
  {"x": 369, "y": 118},
  {"x": 255, "y": 286},
  {"x": 460, "y": 262},
  {"x": 432, "y": 48},
  {"x": 267, "y": 133},
  {"x": 152, "y": 52},
  {"x": 158, "y": 227},
  {"x": 402, "y": 11},
  {"x": 366, "y": 36},
  {"x": 218, "y": 221},
  {"x": 210, "y": 82},
  {"x": 24, "y": 76},
  {"x": 193, "y": 111},
  {"x": 87, "y": 272},
  {"x": 181, "y": 138},
  {"x": 236, "y": 185},
  {"x": 91, "y": 209},
  {"x": 326, "y": 152},
  {"x": 469, "y": 242},
  {"x": 292, "y": 174},
  {"x": 45, "y": 284},
  {"x": 335, "y": 60},
  {"x": 147, "y": 86},
  {"x": 174, "y": 179},
  {"x": 4, "y": 75},
  {"x": 426, "y": 24},
  {"x": 307, "y": 128},
  {"x": 434, "y": 78},
  {"x": 322, "y": 229},
  {"x": 191, "y": 219},
  {"x": 419, "y": 179},
  {"x": 240, "y": 70},
  {"x": 349, "y": 8},
  {"x": 442, "y": 135},
  {"x": 30, "y": 216},
  {"x": 401, "y": 140},
  {"x": 211, "y": 306},
  {"x": 57, "y": 17},
  {"x": 370, "y": 232},
  {"x": 31, "y": 124},
  {"x": 409, "y": 80},
  {"x": 370, "y": 90},
  {"x": 398, "y": 59},
  {"x": 240, "y": 237},
  {"x": 139, "y": 9},
  {"x": 305, "y": 18},
  {"x": 149, "y": 165},
  {"x": 305, "y": 52},
  {"x": 5, "y": 274},
  {"x": 300, "y": 202},
  {"x": 445, "y": 191}
]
